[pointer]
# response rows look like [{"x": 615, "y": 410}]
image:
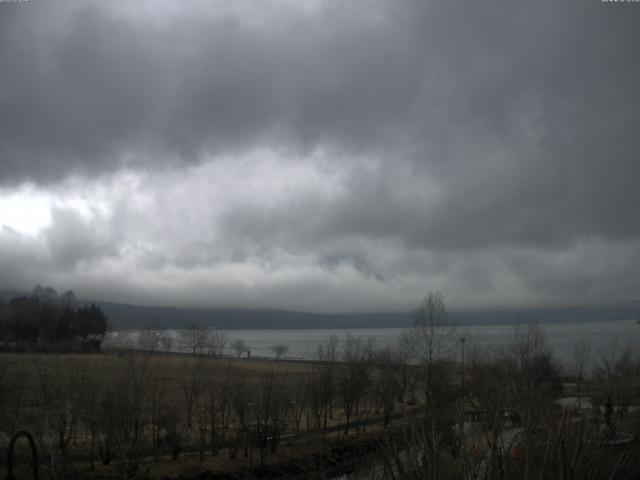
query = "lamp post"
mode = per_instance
[{"x": 462, "y": 342}]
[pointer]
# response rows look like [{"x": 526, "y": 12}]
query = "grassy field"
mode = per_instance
[
  {"x": 172, "y": 370},
  {"x": 139, "y": 415},
  {"x": 39, "y": 391}
]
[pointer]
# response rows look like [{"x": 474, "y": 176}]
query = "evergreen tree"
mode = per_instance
[{"x": 45, "y": 318}]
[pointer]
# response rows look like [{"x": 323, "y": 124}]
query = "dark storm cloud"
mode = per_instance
[
  {"x": 444, "y": 83},
  {"x": 476, "y": 145},
  {"x": 95, "y": 88},
  {"x": 525, "y": 120},
  {"x": 98, "y": 90}
]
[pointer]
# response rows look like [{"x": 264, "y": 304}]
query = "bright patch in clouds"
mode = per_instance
[{"x": 25, "y": 209}]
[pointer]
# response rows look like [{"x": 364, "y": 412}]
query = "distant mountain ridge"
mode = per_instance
[{"x": 124, "y": 316}]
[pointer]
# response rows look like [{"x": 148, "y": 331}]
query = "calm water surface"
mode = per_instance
[{"x": 603, "y": 337}]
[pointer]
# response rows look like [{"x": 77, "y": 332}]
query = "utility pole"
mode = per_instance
[{"x": 462, "y": 342}]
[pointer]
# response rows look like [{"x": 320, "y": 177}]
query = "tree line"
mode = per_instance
[
  {"x": 45, "y": 320},
  {"x": 195, "y": 339}
]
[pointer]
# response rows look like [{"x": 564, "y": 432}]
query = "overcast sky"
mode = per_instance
[{"x": 321, "y": 155}]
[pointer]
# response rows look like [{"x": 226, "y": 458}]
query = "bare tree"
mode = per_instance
[
  {"x": 155, "y": 404},
  {"x": 193, "y": 338},
  {"x": 386, "y": 383},
  {"x": 407, "y": 376},
  {"x": 298, "y": 403},
  {"x": 216, "y": 342},
  {"x": 430, "y": 337},
  {"x": 315, "y": 395},
  {"x": 580, "y": 359},
  {"x": 328, "y": 356},
  {"x": 529, "y": 358},
  {"x": 148, "y": 340},
  {"x": 529, "y": 367},
  {"x": 279, "y": 350},
  {"x": 12, "y": 391},
  {"x": 138, "y": 367},
  {"x": 354, "y": 377},
  {"x": 617, "y": 372},
  {"x": 239, "y": 346},
  {"x": 166, "y": 340},
  {"x": 216, "y": 406},
  {"x": 240, "y": 404},
  {"x": 121, "y": 414},
  {"x": 170, "y": 423},
  {"x": 269, "y": 413},
  {"x": 90, "y": 413},
  {"x": 60, "y": 396},
  {"x": 193, "y": 384}
]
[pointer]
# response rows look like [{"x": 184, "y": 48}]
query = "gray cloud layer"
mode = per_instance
[{"x": 488, "y": 149}]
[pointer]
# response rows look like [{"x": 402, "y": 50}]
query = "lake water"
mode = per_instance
[{"x": 603, "y": 337}]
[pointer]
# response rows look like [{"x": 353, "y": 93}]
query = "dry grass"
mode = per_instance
[
  {"x": 98, "y": 372},
  {"x": 112, "y": 367}
]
